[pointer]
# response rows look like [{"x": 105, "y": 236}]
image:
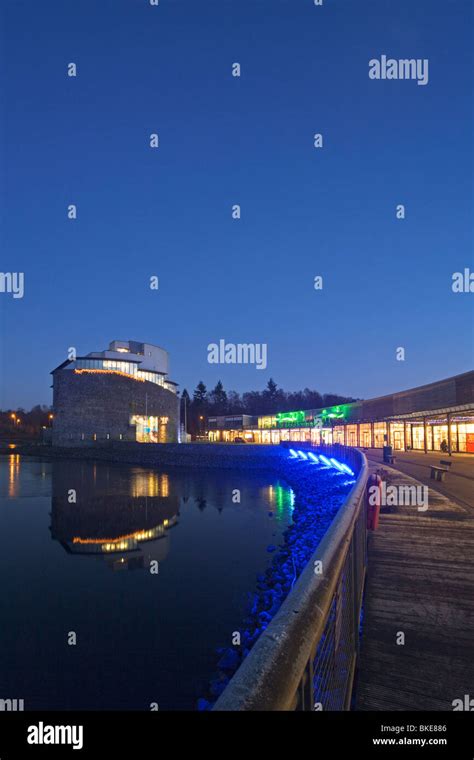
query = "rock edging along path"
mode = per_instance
[
  {"x": 319, "y": 493},
  {"x": 417, "y": 650}
]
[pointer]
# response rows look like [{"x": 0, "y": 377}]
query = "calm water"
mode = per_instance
[{"x": 84, "y": 567}]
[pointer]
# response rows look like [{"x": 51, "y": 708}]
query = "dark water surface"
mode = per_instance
[{"x": 84, "y": 568}]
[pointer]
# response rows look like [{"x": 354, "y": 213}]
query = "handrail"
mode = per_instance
[{"x": 306, "y": 657}]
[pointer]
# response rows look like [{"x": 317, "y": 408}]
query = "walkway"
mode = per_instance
[
  {"x": 420, "y": 583},
  {"x": 458, "y": 485}
]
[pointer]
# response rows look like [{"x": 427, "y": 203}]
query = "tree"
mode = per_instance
[
  {"x": 234, "y": 403},
  {"x": 200, "y": 394},
  {"x": 198, "y": 410},
  {"x": 271, "y": 388},
  {"x": 218, "y": 400},
  {"x": 269, "y": 401}
]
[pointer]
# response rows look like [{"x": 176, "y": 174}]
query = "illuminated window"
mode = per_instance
[
  {"x": 351, "y": 435},
  {"x": 397, "y": 435},
  {"x": 380, "y": 431},
  {"x": 150, "y": 429},
  {"x": 365, "y": 436}
]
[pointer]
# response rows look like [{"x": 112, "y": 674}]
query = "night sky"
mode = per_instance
[{"x": 248, "y": 141}]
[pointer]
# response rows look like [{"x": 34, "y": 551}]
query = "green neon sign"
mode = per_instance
[
  {"x": 335, "y": 412},
  {"x": 305, "y": 419},
  {"x": 290, "y": 419}
]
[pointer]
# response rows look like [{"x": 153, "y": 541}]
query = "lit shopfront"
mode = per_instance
[
  {"x": 406, "y": 420},
  {"x": 150, "y": 429}
]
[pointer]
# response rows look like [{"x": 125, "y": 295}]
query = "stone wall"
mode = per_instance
[
  {"x": 101, "y": 405},
  {"x": 205, "y": 455}
]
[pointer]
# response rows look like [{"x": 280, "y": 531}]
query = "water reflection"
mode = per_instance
[
  {"x": 13, "y": 474},
  {"x": 103, "y": 511},
  {"x": 282, "y": 499},
  {"x": 101, "y": 517}
]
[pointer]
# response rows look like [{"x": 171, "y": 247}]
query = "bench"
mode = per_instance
[
  {"x": 445, "y": 463},
  {"x": 389, "y": 459},
  {"x": 438, "y": 473}
]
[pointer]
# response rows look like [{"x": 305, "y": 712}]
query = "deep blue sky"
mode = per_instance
[{"x": 305, "y": 212}]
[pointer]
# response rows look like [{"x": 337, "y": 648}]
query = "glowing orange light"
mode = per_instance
[
  {"x": 108, "y": 372},
  {"x": 14, "y": 471},
  {"x": 138, "y": 535}
]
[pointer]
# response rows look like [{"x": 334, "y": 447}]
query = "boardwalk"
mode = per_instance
[
  {"x": 460, "y": 483},
  {"x": 420, "y": 583}
]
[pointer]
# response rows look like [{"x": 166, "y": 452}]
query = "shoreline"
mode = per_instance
[{"x": 200, "y": 455}]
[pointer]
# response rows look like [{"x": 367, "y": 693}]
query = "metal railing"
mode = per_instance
[{"x": 306, "y": 657}]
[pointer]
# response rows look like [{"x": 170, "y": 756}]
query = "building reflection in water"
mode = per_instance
[
  {"x": 13, "y": 474},
  {"x": 121, "y": 514}
]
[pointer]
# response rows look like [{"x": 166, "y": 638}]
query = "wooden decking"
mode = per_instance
[{"x": 420, "y": 582}]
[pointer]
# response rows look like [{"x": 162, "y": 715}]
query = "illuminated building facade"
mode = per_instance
[
  {"x": 434, "y": 417},
  {"x": 120, "y": 394}
]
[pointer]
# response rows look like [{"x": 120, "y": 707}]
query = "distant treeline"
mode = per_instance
[
  {"x": 18, "y": 423},
  {"x": 204, "y": 403}
]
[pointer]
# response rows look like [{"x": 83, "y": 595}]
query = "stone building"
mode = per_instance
[{"x": 120, "y": 394}]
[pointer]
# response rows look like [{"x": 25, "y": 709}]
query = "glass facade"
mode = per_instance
[
  {"x": 465, "y": 435},
  {"x": 351, "y": 435},
  {"x": 400, "y": 435},
  {"x": 418, "y": 437},
  {"x": 365, "y": 434},
  {"x": 380, "y": 431},
  {"x": 397, "y": 433},
  {"x": 127, "y": 368},
  {"x": 267, "y": 422}
]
